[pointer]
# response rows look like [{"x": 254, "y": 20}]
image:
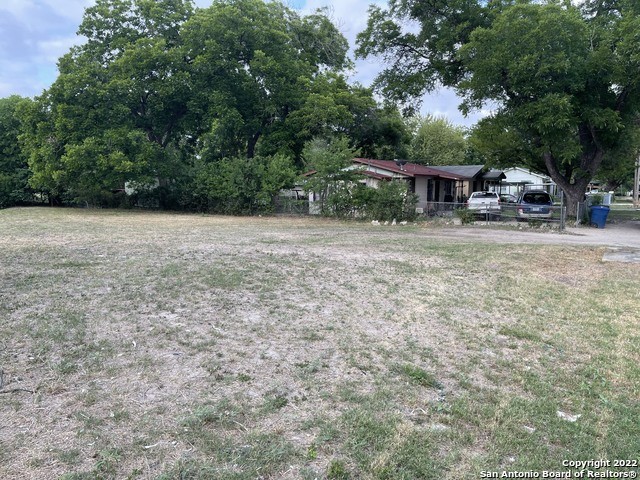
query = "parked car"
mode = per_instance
[
  {"x": 534, "y": 204},
  {"x": 484, "y": 203},
  {"x": 508, "y": 198}
]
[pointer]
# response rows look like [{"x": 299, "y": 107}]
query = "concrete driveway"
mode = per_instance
[
  {"x": 613, "y": 235},
  {"x": 623, "y": 239},
  {"x": 625, "y": 234}
]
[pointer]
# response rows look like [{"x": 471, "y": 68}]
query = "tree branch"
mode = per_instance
[
  {"x": 411, "y": 49},
  {"x": 554, "y": 172},
  {"x": 621, "y": 100}
]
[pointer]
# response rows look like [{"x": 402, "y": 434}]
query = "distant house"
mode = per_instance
[
  {"x": 518, "y": 179},
  {"x": 432, "y": 185},
  {"x": 474, "y": 178}
]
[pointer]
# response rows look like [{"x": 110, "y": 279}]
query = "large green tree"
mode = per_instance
[
  {"x": 253, "y": 64},
  {"x": 161, "y": 89},
  {"x": 14, "y": 171},
  {"x": 436, "y": 141},
  {"x": 333, "y": 107},
  {"x": 562, "y": 80},
  {"x": 118, "y": 110}
]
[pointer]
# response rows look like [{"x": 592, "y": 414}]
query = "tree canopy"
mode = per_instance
[
  {"x": 160, "y": 90},
  {"x": 14, "y": 171},
  {"x": 436, "y": 141},
  {"x": 561, "y": 80},
  {"x": 118, "y": 109},
  {"x": 253, "y": 64}
]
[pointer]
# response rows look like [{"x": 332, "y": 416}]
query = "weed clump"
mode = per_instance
[
  {"x": 337, "y": 471},
  {"x": 420, "y": 376}
]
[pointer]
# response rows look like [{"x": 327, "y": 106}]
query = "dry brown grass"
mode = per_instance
[{"x": 156, "y": 340}]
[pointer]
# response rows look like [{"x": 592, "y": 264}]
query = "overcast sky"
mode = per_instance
[{"x": 35, "y": 33}]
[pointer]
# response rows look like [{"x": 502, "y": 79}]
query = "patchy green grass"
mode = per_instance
[
  {"x": 420, "y": 376},
  {"x": 621, "y": 212},
  {"x": 152, "y": 345}
]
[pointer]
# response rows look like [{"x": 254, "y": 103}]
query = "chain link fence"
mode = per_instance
[
  {"x": 291, "y": 206},
  {"x": 553, "y": 216}
]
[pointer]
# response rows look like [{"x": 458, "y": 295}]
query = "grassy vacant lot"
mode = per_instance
[
  {"x": 622, "y": 212},
  {"x": 149, "y": 345}
]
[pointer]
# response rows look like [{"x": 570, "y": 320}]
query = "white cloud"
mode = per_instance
[
  {"x": 6, "y": 89},
  {"x": 50, "y": 50},
  {"x": 42, "y": 16},
  {"x": 34, "y": 34},
  {"x": 17, "y": 8},
  {"x": 71, "y": 9},
  {"x": 350, "y": 16}
]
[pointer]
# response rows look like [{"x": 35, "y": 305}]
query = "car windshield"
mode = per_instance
[
  {"x": 536, "y": 198},
  {"x": 484, "y": 195}
]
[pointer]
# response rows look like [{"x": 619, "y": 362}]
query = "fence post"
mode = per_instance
[{"x": 563, "y": 211}]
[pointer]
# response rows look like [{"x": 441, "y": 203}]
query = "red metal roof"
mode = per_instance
[
  {"x": 379, "y": 176},
  {"x": 409, "y": 169}
]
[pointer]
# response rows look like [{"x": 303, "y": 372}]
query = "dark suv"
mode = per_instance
[{"x": 534, "y": 204}]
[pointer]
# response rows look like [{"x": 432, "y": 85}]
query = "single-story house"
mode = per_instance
[
  {"x": 518, "y": 179},
  {"x": 432, "y": 185},
  {"x": 473, "y": 178},
  {"x": 448, "y": 183}
]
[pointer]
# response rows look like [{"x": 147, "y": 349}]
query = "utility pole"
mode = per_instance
[{"x": 636, "y": 180}]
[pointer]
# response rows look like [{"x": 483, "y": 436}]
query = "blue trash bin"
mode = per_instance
[{"x": 599, "y": 215}]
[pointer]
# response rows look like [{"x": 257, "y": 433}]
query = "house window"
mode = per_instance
[
  {"x": 448, "y": 191},
  {"x": 448, "y": 187}
]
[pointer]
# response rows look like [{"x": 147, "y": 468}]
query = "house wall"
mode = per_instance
[
  {"x": 372, "y": 182},
  {"x": 461, "y": 189},
  {"x": 466, "y": 189},
  {"x": 518, "y": 175},
  {"x": 421, "y": 191},
  {"x": 314, "y": 204},
  {"x": 518, "y": 178}
]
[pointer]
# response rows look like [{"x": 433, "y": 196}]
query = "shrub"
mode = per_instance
[
  {"x": 391, "y": 200},
  {"x": 595, "y": 199},
  {"x": 241, "y": 186},
  {"x": 465, "y": 216},
  {"x": 340, "y": 202}
]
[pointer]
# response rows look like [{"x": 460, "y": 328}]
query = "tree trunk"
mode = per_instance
[
  {"x": 251, "y": 145},
  {"x": 574, "y": 188},
  {"x": 54, "y": 200},
  {"x": 574, "y": 195}
]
